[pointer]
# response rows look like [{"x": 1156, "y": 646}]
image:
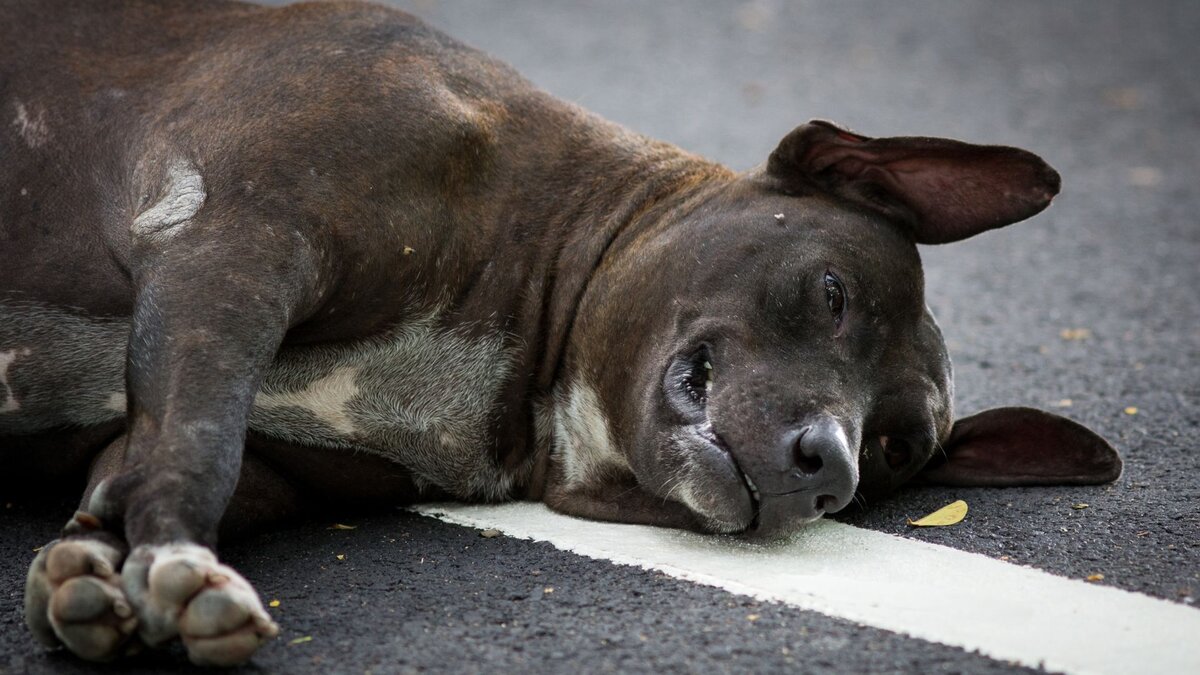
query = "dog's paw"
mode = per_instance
[
  {"x": 181, "y": 589},
  {"x": 73, "y": 597}
]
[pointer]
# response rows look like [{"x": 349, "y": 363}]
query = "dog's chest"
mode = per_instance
[{"x": 422, "y": 395}]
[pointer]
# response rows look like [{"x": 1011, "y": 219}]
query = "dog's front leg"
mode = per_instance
[
  {"x": 211, "y": 310},
  {"x": 212, "y": 305}
]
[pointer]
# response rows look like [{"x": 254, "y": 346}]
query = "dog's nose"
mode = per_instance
[{"x": 823, "y": 465}]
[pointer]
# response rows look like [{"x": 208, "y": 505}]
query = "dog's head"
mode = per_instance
[{"x": 765, "y": 352}]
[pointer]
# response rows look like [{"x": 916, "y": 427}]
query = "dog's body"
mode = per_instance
[{"x": 405, "y": 273}]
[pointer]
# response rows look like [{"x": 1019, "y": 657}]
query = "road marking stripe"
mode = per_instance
[{"x": 936, "y": 593}]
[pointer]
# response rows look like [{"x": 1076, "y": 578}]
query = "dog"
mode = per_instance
[{"x": 258, "y": 261}]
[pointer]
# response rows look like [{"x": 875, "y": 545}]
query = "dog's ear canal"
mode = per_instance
[
  {"x": 1022, "y": 446},
  {"x": 945, "y": 190}
]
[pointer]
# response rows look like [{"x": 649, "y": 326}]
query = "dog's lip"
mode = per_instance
[
  {"x": 714, "y": 439},
  {"x": 753, "y": 530}
]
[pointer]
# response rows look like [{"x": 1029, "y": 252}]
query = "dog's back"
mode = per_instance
[{"x": 99, "y": 99}]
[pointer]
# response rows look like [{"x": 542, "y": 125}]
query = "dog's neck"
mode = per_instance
[{"x": 592, "y": 203}]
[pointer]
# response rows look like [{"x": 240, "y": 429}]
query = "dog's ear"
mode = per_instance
[
  {"x": 945, "y": 190},
  {"x": 1022, "y": 446}
]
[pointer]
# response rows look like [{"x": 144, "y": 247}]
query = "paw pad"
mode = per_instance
[{"x": 73, "y": 597}]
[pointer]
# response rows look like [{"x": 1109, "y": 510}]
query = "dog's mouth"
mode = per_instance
[
  {"x": 708, "y": 434},
  {"x": 772, "y": 514}
]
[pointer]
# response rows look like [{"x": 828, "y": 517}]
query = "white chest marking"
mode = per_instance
[
  {"x": 31, "y": 126},
  {"x": 325, "y": 398},
  {"x": 11, "y": 404},
  {"x": 182, "y": 198},
  {"x": 583, "y": 442}
]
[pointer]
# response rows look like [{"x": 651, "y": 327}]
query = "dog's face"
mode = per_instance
[
  {"x": 784, "y": 350},
  {"x": 765, "y": 352}
]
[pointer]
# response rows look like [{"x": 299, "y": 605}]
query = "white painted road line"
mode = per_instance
[{"x": 932, "y": 592}]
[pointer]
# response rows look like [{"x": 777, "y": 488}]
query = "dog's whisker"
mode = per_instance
[{"x": 860, "y": 500}]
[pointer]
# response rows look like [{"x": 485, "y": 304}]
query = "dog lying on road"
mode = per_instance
[{"x": 256, "y": 260}]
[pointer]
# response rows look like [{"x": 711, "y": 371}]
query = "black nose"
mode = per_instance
[{"x": 823, "y": 467}]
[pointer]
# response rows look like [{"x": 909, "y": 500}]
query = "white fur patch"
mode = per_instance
[
  {"x": 325, "y": 398},
  {"x": 583, "y": 443},
  {"x": 422, "y": 395},
  {"x": 11, "y": 404},
  {"x": 182, "y": 198},
  {"x": 116, "y": 402},
  {"x": 31, "y": 125}
]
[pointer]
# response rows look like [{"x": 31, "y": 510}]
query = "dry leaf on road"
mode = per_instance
[{"x": 950, "y": 514}]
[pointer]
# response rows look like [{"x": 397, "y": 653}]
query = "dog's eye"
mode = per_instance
[
  {"x": 698, "y": 381},
  {"x": 835, "y": 295}
]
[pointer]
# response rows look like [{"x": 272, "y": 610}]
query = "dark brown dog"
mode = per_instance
[{"x": 409, "y": 274}]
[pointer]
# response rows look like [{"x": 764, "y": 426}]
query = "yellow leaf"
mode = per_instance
[
  {"x": 339, "y": 526},
  {"x": 1131, "y": 410},
  {"x": 949, "y": 514},
  {"x": 341, "y": 556},
  {"x": 306, "y": 638},
  {"x": 273, "y": 603},
  {"x": 1095, "y": 577}
]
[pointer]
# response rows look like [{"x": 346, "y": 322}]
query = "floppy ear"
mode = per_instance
[
  {"x": 945, "y": 190},
  {"x": 1022, "y": 446}
]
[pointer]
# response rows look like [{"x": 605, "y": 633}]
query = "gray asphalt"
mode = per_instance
[{"x": 1107, "y": 92}]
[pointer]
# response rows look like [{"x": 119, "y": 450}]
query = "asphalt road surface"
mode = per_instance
[{"x": 1091, "y": 309}]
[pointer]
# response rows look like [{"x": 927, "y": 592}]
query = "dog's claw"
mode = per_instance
[
  {"x": 73, "y": 597},
  {"x": 182, "y": 590}
]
